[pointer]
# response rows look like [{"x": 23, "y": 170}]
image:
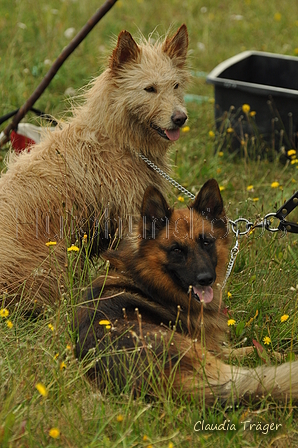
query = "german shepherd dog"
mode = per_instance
[{"x": 156, "y": 318}]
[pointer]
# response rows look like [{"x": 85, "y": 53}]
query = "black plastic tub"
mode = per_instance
[{"x": 268, "y": 83}]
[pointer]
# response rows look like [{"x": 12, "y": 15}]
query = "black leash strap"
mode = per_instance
[{"x": 287, "y": 207}]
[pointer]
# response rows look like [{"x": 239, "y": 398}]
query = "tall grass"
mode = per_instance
[{"x": 263, "y": 286}]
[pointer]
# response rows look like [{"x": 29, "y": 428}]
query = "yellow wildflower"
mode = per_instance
[
  {"x": 291, "y": 152},
  {"x": 255, "y": 199},
  {"x": 104, "y": 322},
  {"x": 221, "y": 188},
  {"x": 277, "y": 17},
  {"x": 170, "y": 445},
  {"x": 56, "y": 356},
  {"x": 293, "y": 161},
  {"x": 275, "y": 184},
  {"x": 68, "y": 347},
  {"x": 73, "y": 248},
  {"x": 9, "y": 324},
  {"x": 229, "y": 294},
  {"x": 211, "y": 134},
  {"x": 185, "y": 129},
  {"x": 266, "y": 340},
  {"x": 180, "y": 198},
  {"x": 284, "y": 318},
  {"x": 230, "y": 130},
  {"x": 62, "y": 365},
  {"x": 220, "y": 153},
  {"x": 145, "y": 438},
  {"x": 54, "y": 433},
  {"x": 231, "y": 322},
  {"x": 252, "y": 113},
  {"x": 120, "y": 418},
  {"x": 246, "y": 108},
  {"x": 51, "y": 243},
  {"x": 249, "y": 187},
  {"x": 4, "y": 312},
  {"x": 42, "y": 389},
  {"x": 51, "y": 327}
]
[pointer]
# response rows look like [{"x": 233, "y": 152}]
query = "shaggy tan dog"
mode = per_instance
[{"x": 87, "y": 174}]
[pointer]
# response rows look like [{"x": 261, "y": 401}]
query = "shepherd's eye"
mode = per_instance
[
  {"x": 150, "y": 89},
  {"x": 207, "y": 243},
  {"x": 176, "y": 86},
  {"x": 177, "y": 250}
]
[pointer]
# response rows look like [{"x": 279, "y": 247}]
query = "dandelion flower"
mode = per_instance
[
  {"x": 246, "y": 108},
  {"x": 252, "y": 113},
  {"x": 293, "y": 161},
  {"x": 220, "y": 153},
  {"x": 68, "y": 347},
  {"x": 284, "y": 318},
  {"x": 211, "y": 134},
  {"x": 4, "y": 312},
  {"x": 73, "y": 248},
  {"x": 180, "y": 198},
  {"x": 291, "y": 152},
  {"x": 9, "y": 324},
  {"x": 54, "y": 433},
  {"x": 231, "y": 322},
  {"x": 185, "y": 129},
  {"x": 56, "y": 356},
  {"x": 229, "y": 295},
  {"x": 51, "y": 243},
  {"x": 120, "y": 418},
  {"x": 51, "y": 327},
  {"x": 266, "y": 340},
  {"x": 104, "y": 322},
  {"x": 230, "y": 130},
  {"x": 275, "y": 185},
  {"x": 255, "y": 199},
  {"x": 249, "y": 187},
  {"x": 170, "y": 445},
  {"x": 42, "y": 389},
  {"x": 145, "y": 438},
  {"x": 221, "y": 188},
  {"x": 62, "y": 365}
]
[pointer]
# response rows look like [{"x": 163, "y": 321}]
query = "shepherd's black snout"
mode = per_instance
[
  {"x": 205, "y": 279},
  {"x": 179, "y": 118}
]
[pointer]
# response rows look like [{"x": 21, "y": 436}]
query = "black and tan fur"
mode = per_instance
[{"x": 163, "y": 328}]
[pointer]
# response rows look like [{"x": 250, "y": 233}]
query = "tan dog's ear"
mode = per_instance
[
  {"x": 126, "y": 50},
  {"x": 176, "y": 46}
]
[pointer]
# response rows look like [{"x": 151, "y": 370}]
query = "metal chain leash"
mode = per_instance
[
  {"x": 265, "y": 223},
  {"x": 167, "y": 177}
]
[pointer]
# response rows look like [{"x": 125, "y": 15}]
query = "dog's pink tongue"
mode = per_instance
[
  {"x": 205, "y": 293},
  {"x": 172, "y": 134}
]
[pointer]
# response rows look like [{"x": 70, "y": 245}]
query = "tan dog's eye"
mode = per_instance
[{"x": 150, "y": 89}]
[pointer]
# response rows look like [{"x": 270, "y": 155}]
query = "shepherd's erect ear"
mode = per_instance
[
  {"x": 208, "y": 201},
  {"x": 155, "y": 212},
  {"x": 126, "y": 50},
  {"x": 176, "y": 46}
]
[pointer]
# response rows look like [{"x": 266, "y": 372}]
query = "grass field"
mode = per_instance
[{"x": 263, "y": 286}]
